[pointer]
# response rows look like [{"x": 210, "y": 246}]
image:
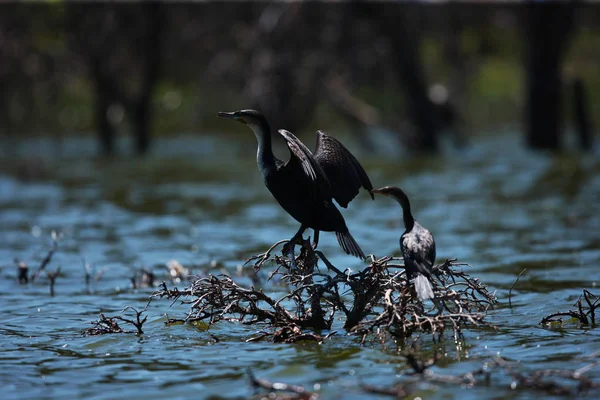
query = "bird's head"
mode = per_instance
[
  {"x": 401, "y": 197},
  {"x": 395, "y": 193},
  {"x": 248, "y": 117},
  {"x": 386, "y": 191}
]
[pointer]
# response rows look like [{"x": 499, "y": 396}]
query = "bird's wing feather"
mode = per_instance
[
  {"x": 431, "y": 254},
  {"x": 302, "y": 155},
  {"x": 344, "y": 172}
]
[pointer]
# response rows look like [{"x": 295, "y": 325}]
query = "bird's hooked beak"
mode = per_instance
[
  {"x": 379, "y": 191},
  {"x": 231, "y": 115}
]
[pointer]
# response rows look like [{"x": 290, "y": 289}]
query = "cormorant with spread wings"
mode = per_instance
[{"x": 306, "y": 185}]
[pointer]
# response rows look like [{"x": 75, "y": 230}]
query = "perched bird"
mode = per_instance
[
  {"x": 306, "y": 185},
  {"x": 416, "y": 243}
]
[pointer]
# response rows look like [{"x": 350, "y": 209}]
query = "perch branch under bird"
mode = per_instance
[{"x": 374, "y": 301}]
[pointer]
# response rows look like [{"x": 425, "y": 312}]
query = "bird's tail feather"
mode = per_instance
[
  {"x": 349, "y": 245},
  {"x": 423, "y": 287}
]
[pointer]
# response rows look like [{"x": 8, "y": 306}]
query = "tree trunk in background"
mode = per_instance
[
  {"x": 547, "y": 27},
  {"x": 102, "y": 101},
  {"x": 583, "y": 123},
  {"x": 405, "y": 40},
  {"x": 6, "y": 126},
  {"x": 463, "y": 66},
  {"x": 281, "y": 79},
  {"x": 141, "y": 107},
  {"x": 140, "y": 115},
  {"x": 121, "y": 45}
]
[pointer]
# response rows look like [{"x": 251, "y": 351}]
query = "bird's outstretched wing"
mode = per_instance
[
  {"x": 344, "y": 172},
  {"x": 312, "y": 169}
]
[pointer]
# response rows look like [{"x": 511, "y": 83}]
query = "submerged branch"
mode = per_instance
[
  {"x": 585, "y": 313},
  {"x": 106, "y": 325},
  {"x": 565, "y": 382},
  {"x": 298, "y": 392},
  {"x": 55, "y": 238}
]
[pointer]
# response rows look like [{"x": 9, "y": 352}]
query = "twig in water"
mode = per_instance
[
  {"x": 88, "y": 268},
  {"x": 172, "y": 321},
  {"x": 108, "y": 324},
  {"x": 103, "y": 326},
  {"x": 48, "y": 257},
  {"x": 52, "y": 278},
  {"x": 23, "y": 270},
  {"x": 290, "y": 334},
  {"x": 582, "y": 313},
  {"x": 138, "y": 322},
  {"x": 587, "y": 295},
  {"x": 142, "y": 278},
  {"x": 299, "y": 391},
  {"x": 513, "y": 285},
  {"x": 397, "y": 391}
]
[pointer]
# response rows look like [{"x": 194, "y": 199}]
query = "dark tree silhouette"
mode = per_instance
[
  {"x": 581, "y": 117},
  {"x": 121, "y": 46},
  {"x": 16, "y": 78},
  {"x": 400, "y": 23},
  {"x": 286, "y": 59},
  {"x": 282, "y": 80},
  {"x": 548, "y": 27}
]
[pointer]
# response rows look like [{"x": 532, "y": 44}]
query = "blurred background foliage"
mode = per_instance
[{"x": 415, "y": 70}]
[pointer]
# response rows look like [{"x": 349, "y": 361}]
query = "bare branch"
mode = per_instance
[
  {"x": 592, "y": 302},
  {"x": 299, "y": 391},
  {"x": 48, "y": 257},
  {"x": 377, "y": 300},
  {"x": 512, "y": 286}
]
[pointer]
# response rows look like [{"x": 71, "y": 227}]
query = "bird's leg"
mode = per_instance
[
  {"x": 288, "y": 248},
  {"x": 297, "y": 238},
  {"x": 316, "y": 240}
]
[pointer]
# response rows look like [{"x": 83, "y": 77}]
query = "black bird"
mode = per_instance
[
  {"x": 306, "y": 185},
  {"x": 416, "y": 243}
]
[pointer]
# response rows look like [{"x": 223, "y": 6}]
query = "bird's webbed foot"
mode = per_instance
[{"x": 289, "y": 251}]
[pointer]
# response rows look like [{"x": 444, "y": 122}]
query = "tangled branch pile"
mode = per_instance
[
  {"x": 106, "y": 325},
  {"x": 376, "y": 300},
  {"x": 585, "y": 313}
]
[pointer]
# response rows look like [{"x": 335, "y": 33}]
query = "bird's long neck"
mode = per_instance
[
  {"x": 402, "y": 198},
  {"x": 264, "y": 155}
]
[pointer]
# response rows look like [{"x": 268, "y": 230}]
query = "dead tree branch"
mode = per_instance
[
  {"x": 585, "y": 313},
  {"x": 298, "y": 392},
  {"x": 52, "y": 278},
  {"x": 55, "y": 238},
  {"x": 106, "y": 325},
  {"x": 561, "y": 382},
  {"x": 375, "y": 300}
]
